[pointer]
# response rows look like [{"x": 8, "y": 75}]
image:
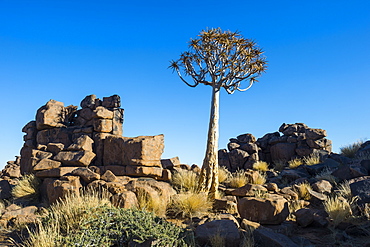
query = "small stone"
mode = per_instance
[
  {"x": 108, "y": 176},
  {"x": 46, "y": 164}
]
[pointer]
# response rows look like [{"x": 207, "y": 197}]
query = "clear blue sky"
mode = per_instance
[{"x": 318, "y": 71}]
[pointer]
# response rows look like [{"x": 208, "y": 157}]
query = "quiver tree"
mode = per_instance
[{"x": 221, "y": 60}]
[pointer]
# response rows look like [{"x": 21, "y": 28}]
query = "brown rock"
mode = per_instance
[
  {"x": 12, "y": 170},
  {"x": 251, "y": 148},
  {"x": 55, "y": 135},
  {"x": 55, "y": 172},
  {"x": 103, "y": 125},
  {"x": 54, "y": 114},
  {"x": 142, "y": 150},
  {"x": 237, "y": 158},
  {"x": 86, "y": 174},
  {"x": 170, "y": 163},
  {"x": 83, "y": 143},
  {"x": 282, "y": 151},
  {"x": 144, "y": 171},
  {"x": 227, "y": 229},
  {"x": 75, "y": 158},
  {"x": 248, "y": 190},
  {"x": 115, "y": 187},
  {"x": 263, "y": 210},
  {"x": 156, "y": 188},
  {"x": 108, "y": 176},
  {"x": 246, "y": 138},
  {"x": 116, "y": 170},
  {"x": 112, "y": 101},
  {"x": 166, "y": 175},
  {"x": 55, "y": 148},
  {"x": 102, "y": 112},
  {"x": 232, "y": 145},
  {"x": 126, "y": 199},
  {"x": 117, "y": 121},
  {"x": 5, "y": 190},
  {"x": 99, "y": 147},
  {"x": 46, "y": 164},
  {"x": 322, "y": 186},
  {"x": 88, "y": 101},
  {"x": 315, "y": 134},
  {"x": 60, "y": 188}
]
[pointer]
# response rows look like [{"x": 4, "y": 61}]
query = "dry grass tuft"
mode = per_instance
[
  {"x": 65, "y": 216},
  {"x": 344, "y": 190},
  {"x": 150, "y": 203},
  {"x": 261, "y": 166},
  {"x": 185, "y": 180},
  {"x": 223, "y": 174},
  {"x": 238, "y": 179},
  {"x": 247, "y": 239},
  {"x": 217, "y": 240},
  {"x": 279, "y": 165},
  {"x": 295, "y": 163},
  {"x": 312, "y": 159},
  {"x": 189, "y": 204},
  {"x": 338, "y": 208},
  {"x": 260, "y": 179},
  {"x": 27, "y": 188},
  {"x": 351, "y": 149},
  {"x": 303, "y": 191}
]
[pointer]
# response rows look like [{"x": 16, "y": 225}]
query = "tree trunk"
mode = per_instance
[{"x": 208, "y": 180}]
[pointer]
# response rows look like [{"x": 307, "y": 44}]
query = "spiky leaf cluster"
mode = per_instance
[{"x": 221, "y": 59}]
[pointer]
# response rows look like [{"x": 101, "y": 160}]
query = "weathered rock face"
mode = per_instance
[{"x": 139, "y": 151}]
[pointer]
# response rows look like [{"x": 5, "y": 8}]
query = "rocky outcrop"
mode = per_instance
[
  {"x": 86, "y": 143},
  {"x": 297, "y": 141}
]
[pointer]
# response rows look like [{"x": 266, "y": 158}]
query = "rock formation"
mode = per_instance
[
  {"x": 63, "y": 143},
  {"x": 297, "y": 141}
]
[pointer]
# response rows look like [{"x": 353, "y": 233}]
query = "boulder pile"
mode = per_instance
[
  {"x": 297, "y": 141},
  {"x": 68, "y": 147}
]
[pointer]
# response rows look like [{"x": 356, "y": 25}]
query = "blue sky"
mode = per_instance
[{"x": 317, "y": 51}]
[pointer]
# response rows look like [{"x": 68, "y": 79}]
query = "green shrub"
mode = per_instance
[{"x": 109, "y": 226}]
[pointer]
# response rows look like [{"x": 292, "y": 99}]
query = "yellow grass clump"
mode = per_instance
[
  {"x": 189, "y": 204},
  {"x": 303, "y": 191},
  {"x": 294, "y": 163},
  {"x": 260, "y": 179},
  {"x": 185, "y": 180},
  {"x": 27, "y": 188},
  {"x": 154, "y": 204},
  {"x": 338, "y": 208},
  {"x": 238, "y": 179},
  {"x": 223, "y": 174},
  {"x": 261, "y": 166},
  {"x": 312, "y": 159}
]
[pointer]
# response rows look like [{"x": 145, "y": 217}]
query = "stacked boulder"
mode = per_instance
[
  {"x": 297, "y": 140},
  {"x": 243, "y": 153},
  {"x": 68, "y": 148}
]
